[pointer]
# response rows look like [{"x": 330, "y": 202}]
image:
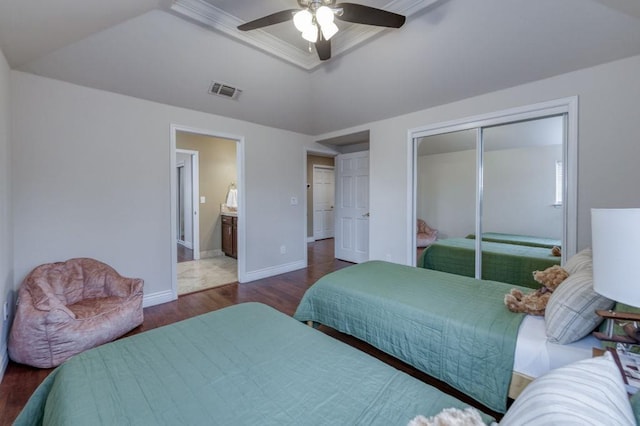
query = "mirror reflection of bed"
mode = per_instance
[{"x": 519, "y": 181}]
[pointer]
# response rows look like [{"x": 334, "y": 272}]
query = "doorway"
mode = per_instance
[
  {"x": 187, "y": 206},
  {"x": 218, "y": 159}
]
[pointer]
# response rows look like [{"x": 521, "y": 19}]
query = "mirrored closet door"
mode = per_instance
[{"x": 505, "y": 181}]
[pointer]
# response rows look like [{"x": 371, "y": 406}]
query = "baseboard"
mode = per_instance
[
  {"x": 158, "y": 298},
  {"x": 274, "y": 270},
  {"x": 208, "y": 254},
  {"x": 310, "y": 239}
]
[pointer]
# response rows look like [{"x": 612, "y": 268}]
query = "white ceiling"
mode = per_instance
[{"x": 450, "y": 50}]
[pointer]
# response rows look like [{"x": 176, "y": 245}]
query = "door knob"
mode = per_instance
[{"x": 366, "y": 214}]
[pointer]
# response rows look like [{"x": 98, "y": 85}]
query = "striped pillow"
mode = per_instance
[
  {"x": 571, "y": 311},
  {"x": 580, "y": 261},
  {"x": 588, "y": 392}
]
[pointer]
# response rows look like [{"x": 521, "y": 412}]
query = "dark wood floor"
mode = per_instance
[{"x": 282, "y": 292}]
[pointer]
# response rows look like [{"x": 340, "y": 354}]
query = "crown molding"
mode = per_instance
[{"x": 217, "y": 19}]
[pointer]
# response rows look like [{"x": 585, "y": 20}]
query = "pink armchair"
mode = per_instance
[
  {"x": 65, "y": 308},
  {"x": 425, "y": 236}
]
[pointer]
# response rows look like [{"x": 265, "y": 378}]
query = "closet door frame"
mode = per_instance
[{"x": 567, "y": 107}]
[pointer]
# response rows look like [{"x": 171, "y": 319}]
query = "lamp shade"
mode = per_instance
[{"x": 615, "y": 235}]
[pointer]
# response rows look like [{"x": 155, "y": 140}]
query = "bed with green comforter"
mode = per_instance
[
  {"x": 243, "y": 365},
  {"x": 507, "y": 263},
  {"x": 454, "y": 328},
  {"x": 522, "y": 240}
]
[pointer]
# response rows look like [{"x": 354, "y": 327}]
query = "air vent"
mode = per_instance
[{"x": 224, "y": 90}]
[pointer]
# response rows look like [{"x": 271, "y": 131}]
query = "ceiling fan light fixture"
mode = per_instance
[
  {"x": 329, "y": 30},
  {"x": 315, "y": 21},
  {"x": 324, "y": 16},
  {"x": 310, "y": 33},
  {"x": 302, "y": 20}
]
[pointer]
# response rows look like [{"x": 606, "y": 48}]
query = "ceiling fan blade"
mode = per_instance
[
  {"x": 361, "y": 14},
  {"x": 265, "y": 21},
  {"x": 323, "y": 47}
]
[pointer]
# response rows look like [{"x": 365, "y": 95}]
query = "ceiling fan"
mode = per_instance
[{"x": 315, "y": 18}]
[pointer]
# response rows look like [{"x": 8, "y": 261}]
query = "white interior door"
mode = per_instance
[
  {"x": 188, "y": 194},
  {"x": 352, "y": 207},
  {"x": 184, "y": 201},
  {"x": 323, "y": 202}
]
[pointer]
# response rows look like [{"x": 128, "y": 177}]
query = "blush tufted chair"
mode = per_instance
[
  {"x": 65, "y": 308},
  {"x": 425, "y": 235}
]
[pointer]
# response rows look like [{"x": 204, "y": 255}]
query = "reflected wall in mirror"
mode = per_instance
[
  {"x": 520, "y": 177},
  {"x": 446, "y": 182}
]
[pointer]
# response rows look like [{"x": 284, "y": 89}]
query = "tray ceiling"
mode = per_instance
[{"x": 283, "y": 40}]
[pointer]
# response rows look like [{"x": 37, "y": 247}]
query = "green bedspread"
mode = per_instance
[
  {"x": 507, "y": 263},
  {"x": 243, "y": 365},
  {"x": 522, "y": 240},
  {"x": 451, "y": 327}
]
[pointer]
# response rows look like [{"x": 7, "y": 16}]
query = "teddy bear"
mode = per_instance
[
  {"x": 450, "y": 417},
  {"x": 535, "y": 303}
]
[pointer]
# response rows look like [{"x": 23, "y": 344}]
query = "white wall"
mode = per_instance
[
  {"x": 6, "y": 222},
  {"x": 519, "y": 191},
  {"x": 608, "y": 148},
  {"x": 91, "y": 177},
  {"x": 446, "y": 192}
]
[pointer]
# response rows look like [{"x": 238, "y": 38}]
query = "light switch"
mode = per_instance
[
  {"x": 294, "y": 201},
  {"x": 202, "y": 200}
]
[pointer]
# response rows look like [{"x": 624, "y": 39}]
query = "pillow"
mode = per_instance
[
  {"x": 581, "y": 260},
  {"x": 588, "y": 392},
  {"x": 635, "y": 406},
  {"x": 571, "y": 311}
]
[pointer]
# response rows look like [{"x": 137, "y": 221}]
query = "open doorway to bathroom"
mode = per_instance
[{"x": 206, "y": 200}]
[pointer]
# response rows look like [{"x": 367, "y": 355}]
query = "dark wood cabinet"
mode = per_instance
[{"x": 230, "y": 236}]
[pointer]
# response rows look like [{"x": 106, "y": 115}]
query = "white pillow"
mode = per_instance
[
  {"x": 571, "y": 310},
  {"x": 588, "y": 392},
  {"x": 580, "y": 261}
]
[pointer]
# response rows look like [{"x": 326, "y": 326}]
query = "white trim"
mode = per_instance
[
  {"x": 305, "y": 155},
  {"x": 157, "y": 298},
  {"x": 568, "y": 106},
  {"x": 209, "y": 254},
  {"x": 274, "y": 270},
  {"x": 346, "y": 39},
  {"x": 479, "y": 197},
  {"x": 559, "y": 179},
  {"x": 543, "y": 109}
]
